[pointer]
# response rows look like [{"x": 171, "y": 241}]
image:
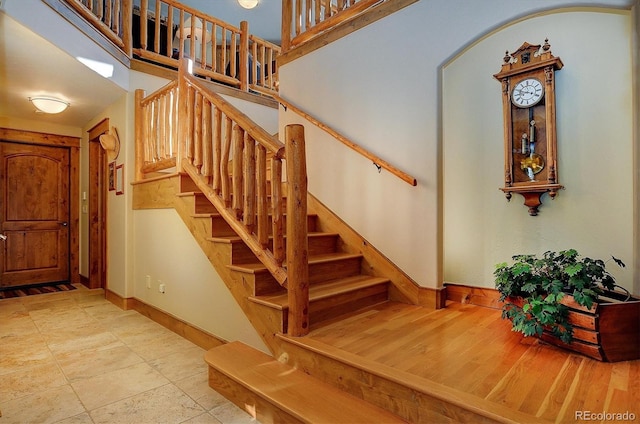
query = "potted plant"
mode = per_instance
[{"x": 541, "y": 294}]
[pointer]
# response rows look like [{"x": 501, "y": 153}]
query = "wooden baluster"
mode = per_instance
[
  {"x": 254, "y": 64},
  {"x": 192, "y": 42},
  {"x": 223, "y": 48},
  {"x": 169, "y": 39},
  {"x": 287, "y": 18},
  {"x": 107, "y": 13},
  {"x": 140, "y": 135},
  {"x": 233, "y": 55},
  {"x": 299, "y": 16},
  {"x": 197, "y": 131},
  {"x": 249, "y": 190},
  {"x": 203, "y": 44},
  {"x": 181, "y": 32},
  {"x": 174, "y": 122},
  {"x": 217, "y": 153},
  {"x": 238, "y": 134},
  {"x": 244, "y": 56},
  {"x": 207, "y": 148},
  {"x": 276, "y": 210},
  {"x": 261, "y": 189},
  {"x": 318, "y": 4},
  {"x": 100, "y": 9},
  {"x": 144, "y": 7},
  {"x": 214, "y": 49},
  {"x": 162, "y": 113},
  {"x": 308, "y": 9},
  {"x": 182, "y": 116},
  {"x": 224, "y": 162},
  {"x": 157, "y": 143},
  {"x": 156, "y": 27},
  {"x": 127, "y": 27},
  {"x": 148, "y": 152},
  {"x": 189, "y": 123},
  {"x": 297, "y": 243},
  {"x": 269, "y": 67}
]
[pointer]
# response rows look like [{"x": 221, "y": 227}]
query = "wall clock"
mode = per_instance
[{"x": 529, "y": 109}]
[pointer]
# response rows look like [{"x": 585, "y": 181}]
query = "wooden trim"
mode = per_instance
[
  {"x": 480, "y": 296},
  {"x": 33, "y": 137},
  {"x": 188, "y": 331},
  {"x": 98, "y": 129}
]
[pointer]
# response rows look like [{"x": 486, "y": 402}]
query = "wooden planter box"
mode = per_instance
[{"x": 609, "y": 331}]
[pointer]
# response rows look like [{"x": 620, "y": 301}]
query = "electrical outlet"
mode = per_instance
[
  {"x": 161, "y": 287},
  {"x": 147, "y": 280}
]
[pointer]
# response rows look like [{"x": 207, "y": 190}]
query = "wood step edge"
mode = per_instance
[
  {"x": 467, "y": 401},
  {"x": 258, "y": 267},
  {"x": 320, "y": 291},
  {"x": 298, "y": 394},
  {"x": 238, "y": 239}
]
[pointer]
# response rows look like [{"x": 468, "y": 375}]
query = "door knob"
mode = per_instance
[
  {"x": 3, "y": 237},
  {"x": 64, "y": 224}
]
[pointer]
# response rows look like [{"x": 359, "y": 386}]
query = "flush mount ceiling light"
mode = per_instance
[
  {"x": 49, "y": 104},
  {"x": 248, "y": 4}
]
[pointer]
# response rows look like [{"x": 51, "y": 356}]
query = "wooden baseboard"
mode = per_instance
[
  {"x": 194, "y": 334},
  {"x": 480, "y": 296}
]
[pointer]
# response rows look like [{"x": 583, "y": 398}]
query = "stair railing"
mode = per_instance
[
  {"x": 166, "y": 31},
  {"x": 303, "y": 20},
  {"x": 111, "y": 17},
  {"x": 228, "y": 156}
]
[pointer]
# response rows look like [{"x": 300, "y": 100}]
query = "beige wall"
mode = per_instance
[{"x": 594, "y": 214}]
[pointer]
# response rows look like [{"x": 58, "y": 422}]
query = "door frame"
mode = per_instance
[
  {"x": 73, "y": 144},
  {"x": 97, "y": 214}
]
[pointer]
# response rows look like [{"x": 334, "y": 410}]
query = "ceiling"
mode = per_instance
[{"x": 44, "y": 62}]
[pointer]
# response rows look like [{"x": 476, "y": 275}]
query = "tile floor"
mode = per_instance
[{"x": 74, "y": 357}]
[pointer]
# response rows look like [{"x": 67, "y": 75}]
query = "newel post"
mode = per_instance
[
  {"x": 244, "y": 56},
  {"x": 140, "y": 134},
  {"x": 297, "y": 245}
]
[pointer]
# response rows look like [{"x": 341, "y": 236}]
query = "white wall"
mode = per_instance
[
  {"x": 382, "y": 87},
  {"x": 594, "y": 214},
  {"x": 166, "y": 251}
]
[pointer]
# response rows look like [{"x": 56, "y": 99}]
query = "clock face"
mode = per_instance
[{"x": 527, "y": 92}]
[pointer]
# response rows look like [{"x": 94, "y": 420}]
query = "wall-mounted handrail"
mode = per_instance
[{"x": 380, "y": 163}]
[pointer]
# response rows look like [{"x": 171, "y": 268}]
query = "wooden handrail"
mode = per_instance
[{"x": 344, "y": 140}]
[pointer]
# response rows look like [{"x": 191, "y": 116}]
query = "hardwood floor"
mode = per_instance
[{"x": 471, "y": 349}]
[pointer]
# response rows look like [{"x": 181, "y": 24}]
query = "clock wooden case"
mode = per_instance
[{"x": 529, "y": 108}]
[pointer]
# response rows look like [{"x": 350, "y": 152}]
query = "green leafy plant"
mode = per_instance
[{"x": 532, "y": 289}]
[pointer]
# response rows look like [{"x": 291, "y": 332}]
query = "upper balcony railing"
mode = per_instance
[
  {"x": 166, "y": 31},
  {"x": 303, "y": 20}
]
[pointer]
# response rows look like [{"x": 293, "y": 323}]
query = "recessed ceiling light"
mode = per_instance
[{"x": 49, "y": 104}]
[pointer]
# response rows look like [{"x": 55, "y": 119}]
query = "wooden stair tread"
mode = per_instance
[
  {"x": 322, "y": 291},
  {"x": 295, "y": 392},
  {"x": 238, "y": 239},
  {"x": 258, "y": 267},
  {"x": 489, "y": 409}
]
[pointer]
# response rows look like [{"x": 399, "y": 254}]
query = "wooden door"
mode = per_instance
[{"x": 34, "y": 214}]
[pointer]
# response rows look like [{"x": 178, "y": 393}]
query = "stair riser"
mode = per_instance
[
  {"x": 335, "y": 306},
  {"x": 311, "y": 225},
  {"x": 412, "y": 405},
  {"x": 241, "y": 254},
  {"x": 266, "y": 412}
]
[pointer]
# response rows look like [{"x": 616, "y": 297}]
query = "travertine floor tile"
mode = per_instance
[
  {"x": 166, "y": 404},
  {"x": 44, "y": 407},
  {"x": 75, "y": 358},
  {"x": 113, "y": 386}
]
